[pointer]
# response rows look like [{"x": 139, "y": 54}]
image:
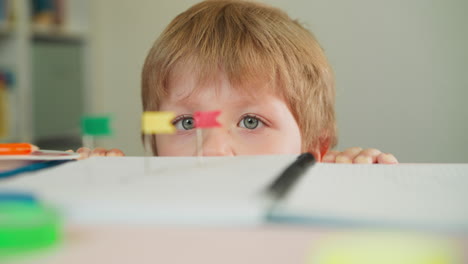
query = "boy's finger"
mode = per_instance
[
  {"x": 367, "y": 156},
  {"x": 343, "y": 158},
  {"x": 371, "y": 152},
  {"x": 348, "y": 155},
  {"x": 84, "y": 153},
  {"x": 363, "y": 159},
  {"x": 115, "y": 153},
  {"x": 387, "y": 158},
  {"x": 98, "y": 152},
  {"x": 330, "y": 156},
  {"x": 352, "y": 152}
]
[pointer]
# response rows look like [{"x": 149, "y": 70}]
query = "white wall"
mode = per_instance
[
  {"x": 122, "y": 33},
  {"x": 401, "y": 69}
]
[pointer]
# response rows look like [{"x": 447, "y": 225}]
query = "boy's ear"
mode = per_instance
[
  {"x": 321, "y": 150},
  {"x": 317, "y": 155}
]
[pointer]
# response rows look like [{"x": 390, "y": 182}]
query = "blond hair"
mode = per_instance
[{"x": 250, "y": 42}]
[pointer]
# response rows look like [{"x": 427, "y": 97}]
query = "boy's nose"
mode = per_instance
[{"x": 216, "y": 142}]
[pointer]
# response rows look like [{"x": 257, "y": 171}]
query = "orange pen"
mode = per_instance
[{"x": 17, "y": 148}]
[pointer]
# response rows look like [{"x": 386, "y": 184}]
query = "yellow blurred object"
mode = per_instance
[
  {"x": 3, "y": 110},
  {"x": 158, "y": 123},
  {"x": 385, "y": 248},
  {"x": 44, "y": 18}
]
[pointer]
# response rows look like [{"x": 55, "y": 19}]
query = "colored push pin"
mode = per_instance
[
  {"x": 154, "y": 122},
  {"x": 158, "y": 123},
  {"x": 94, "y": 126},
  {"x": 204, "y": 120},
  {"x": 17, "y": 149}
]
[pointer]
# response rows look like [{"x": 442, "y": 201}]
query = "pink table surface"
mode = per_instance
[{"x": 155, "y": 244}]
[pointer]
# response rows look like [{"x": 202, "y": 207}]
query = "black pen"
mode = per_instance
[{"x": 284, "y": 182}]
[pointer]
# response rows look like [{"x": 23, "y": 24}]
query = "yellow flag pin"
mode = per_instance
[{"x": 158, "y": 122}]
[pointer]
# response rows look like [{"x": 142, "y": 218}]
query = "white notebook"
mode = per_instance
[
  {"x": 229, "y": 191},
  {"x": 404, "y": 195}
]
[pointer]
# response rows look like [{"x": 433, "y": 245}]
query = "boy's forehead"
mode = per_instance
[{"x": 187, "y": 87}]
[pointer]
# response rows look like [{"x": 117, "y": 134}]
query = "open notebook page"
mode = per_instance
[
  {"x": 179, "y": 190},
  {"x": 227, "y": 190},
  {"x": 406, "y": 195}
]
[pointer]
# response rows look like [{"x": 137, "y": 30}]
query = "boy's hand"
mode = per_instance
[
  {"x": 98, "y": 152},
  {"x": 359, "y": 155}
]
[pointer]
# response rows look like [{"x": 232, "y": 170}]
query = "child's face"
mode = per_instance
[{"x": 251, "y": 125}]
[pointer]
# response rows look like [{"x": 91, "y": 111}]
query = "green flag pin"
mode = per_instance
[{"x": 94, "y": 126}]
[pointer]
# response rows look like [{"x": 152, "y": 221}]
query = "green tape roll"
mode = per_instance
[{"x": 25, "y": 227}]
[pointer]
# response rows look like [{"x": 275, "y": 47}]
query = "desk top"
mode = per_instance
[{"x": 148, "y": 244}]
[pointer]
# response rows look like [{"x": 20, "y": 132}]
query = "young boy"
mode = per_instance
[{"x": 264, "y": 71}]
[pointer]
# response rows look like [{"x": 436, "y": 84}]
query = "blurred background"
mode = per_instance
[{"x": 401, "y": 70}]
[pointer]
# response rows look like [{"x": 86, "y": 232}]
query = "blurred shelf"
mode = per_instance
[
  {"x": 43, "y": 52},
  {"x": 5, "y": 31},
  {"x": 61, "y": 142},
  {"x": 56, "y": 35}
]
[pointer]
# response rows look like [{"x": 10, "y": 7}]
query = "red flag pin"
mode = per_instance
[{"x": 206, "y": 119}]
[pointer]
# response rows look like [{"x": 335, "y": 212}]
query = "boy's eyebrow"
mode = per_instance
[
  {"x": 185, "y": 100},
  {"x": 190, "y": 101}
]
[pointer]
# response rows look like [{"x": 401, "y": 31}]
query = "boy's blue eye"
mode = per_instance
[
  {"x": 185, "y": 123},
  {"x": 250, "y": 122}
]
